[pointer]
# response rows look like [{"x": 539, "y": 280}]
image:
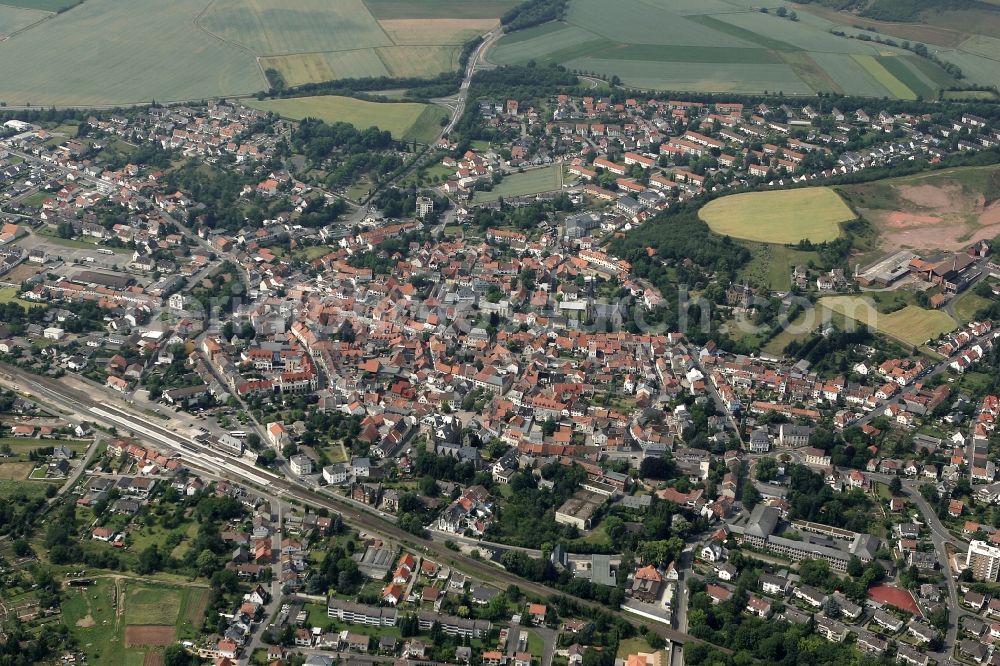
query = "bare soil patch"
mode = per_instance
[
  {"x": 935, "y": 216},
  {"x": 991, "y": 215},
  {"x": 148, "y": 634},
  {"x": 900, "y": 220},
  {"x": 85, "y": 622},
  {"x": 946, "y": 198}
]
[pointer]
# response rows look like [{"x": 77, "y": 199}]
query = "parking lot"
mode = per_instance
[{"x": 75, "y": 252}]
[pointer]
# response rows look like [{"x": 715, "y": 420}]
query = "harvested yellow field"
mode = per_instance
[
  {"x": 779, "y": 216},
  {"x": 435, "y": 32}
]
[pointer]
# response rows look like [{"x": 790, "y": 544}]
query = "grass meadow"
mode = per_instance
[
  {"x": 911, "y": 325},
  {"x": 545, "y": 179},
  {"x": 405, "y": 120}
]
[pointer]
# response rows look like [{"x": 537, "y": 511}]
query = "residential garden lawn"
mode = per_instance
[
  {"x": 536, "y": 646},
  {"x": 22, "y": 445},
  {"x": 968, "y": 304},
  {"x": 911, "y": 325},
  {"x": 772, "y": 265},
  {"x": 14, "y": 471},
  {"x": 36, "y": 200},
  {"x": 76, "y": 243},
  {"x": 9, "y": 295},
  {"x": 181, "y": 549},
  {"x": 544, "y": 179},
  {"x": 359, "y": 190},
  {"x": 404, "y": 120},
  {"x": 780, "y": 216},
  {"x": 145, "y": 536},
  {"x": 632, "y": 646},
  {"x": 438, "y": 171},
  {"x": 9, "y": 487},
  {"x": 313, "y": 252}
]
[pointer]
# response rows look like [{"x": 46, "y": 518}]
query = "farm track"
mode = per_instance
[
  {"x": 196, "y": 22},
  {"x": 49, "y": 15}
]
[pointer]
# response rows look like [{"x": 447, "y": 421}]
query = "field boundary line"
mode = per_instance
[
  {"x": 196, "y": 21},
  {"x": 48, "y": 15}
]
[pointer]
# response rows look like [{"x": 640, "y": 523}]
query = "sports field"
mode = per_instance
[
  {"x": 782, "y": 216},
  {"x": 111, "y": 52},
  {"x": 721, "y": 46},
  {"x": 404, "y": 120},
  {"x": 912, "y": 325},
  {"x": 545, "y": 179}
]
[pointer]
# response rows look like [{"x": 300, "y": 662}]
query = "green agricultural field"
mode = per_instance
[
  {"x": 717, "y": 46},
  {"x": 306, "y": 26},
  {"x": 905, "y": 70},
  {"x": 911, "y": 325},
  {"x": 419, "y": 60},
  {"x": 781, "y": 216},
  {"x": 433, "y": 9},
  {"x": 112, "y": 52},
  {"x": 849, "y": 74},
  {"x": 300, "y": 68},
  {"x": 13, "y": 19},
  {"x": 403, "y": 120},
  {"x": 44, "y": 5},
  {"x": 896, "y": 87},
  {"x": 545, "y": 179}
]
